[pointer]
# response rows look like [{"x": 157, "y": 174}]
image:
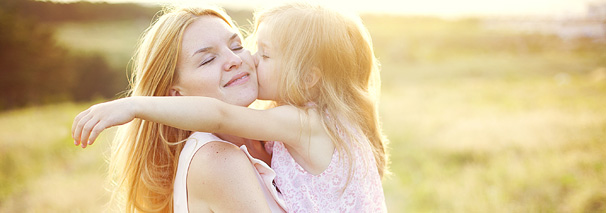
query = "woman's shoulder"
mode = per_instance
[
  {"x": 210, "y": 166},
  {"x": 212, "y": 157},
  {"x": 222, "y": 176},
  {"x": 215, "y": 159}
]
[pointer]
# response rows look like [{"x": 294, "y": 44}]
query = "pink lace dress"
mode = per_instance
[{"x": 327, "y": 191}]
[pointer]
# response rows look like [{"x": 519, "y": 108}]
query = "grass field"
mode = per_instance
[{"x": 479, "y": 121}]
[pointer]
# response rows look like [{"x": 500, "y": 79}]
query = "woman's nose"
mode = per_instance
[{"x": 234, "y": 62}]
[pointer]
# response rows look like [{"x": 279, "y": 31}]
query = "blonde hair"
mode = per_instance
[
  {"x": 311, "y": 37},
  {"x": 144, "y": 161}
]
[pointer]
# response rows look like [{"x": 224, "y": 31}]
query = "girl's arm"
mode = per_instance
[{"x": 285, "y": 123}]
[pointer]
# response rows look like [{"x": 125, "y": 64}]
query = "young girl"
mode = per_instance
[{"x": 318, "y": 67}]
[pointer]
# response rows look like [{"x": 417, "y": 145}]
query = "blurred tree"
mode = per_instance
[
  {"x": 31, "y": 61},
  {"x": 35, "y": 70},
  {"x": 46, "y": 11},
  {"x": 94, "y": 78}
]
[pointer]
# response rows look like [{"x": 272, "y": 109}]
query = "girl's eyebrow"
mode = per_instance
[{"x": 263, "y": 44}]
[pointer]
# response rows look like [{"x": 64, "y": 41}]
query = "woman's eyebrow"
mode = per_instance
[
  {"x": 205, "y": 49},
  {"x": 233, "y": 36}
]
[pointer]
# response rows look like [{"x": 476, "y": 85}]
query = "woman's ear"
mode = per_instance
[
  {"x": 174, "y": 92},
  {"x": 313, "y": 77}
]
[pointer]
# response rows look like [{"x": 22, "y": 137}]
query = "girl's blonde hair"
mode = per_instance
[
  {"x": 144, "y": 161},
  {"x": 313, "y": 39}
]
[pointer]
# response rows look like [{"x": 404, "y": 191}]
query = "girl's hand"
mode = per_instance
[{"x": 89, "y": 123}]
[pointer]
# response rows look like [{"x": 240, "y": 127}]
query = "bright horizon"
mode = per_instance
[{"x": 442, "y": 8}]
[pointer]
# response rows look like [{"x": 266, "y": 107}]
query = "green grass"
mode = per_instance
[
  {"x": 480, "y": 128},
  {"x": 42, "y": 171},
  {"x": 479, "y": 121}
]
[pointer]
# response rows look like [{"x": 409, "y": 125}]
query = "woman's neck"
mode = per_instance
[{"x": 238, "y": 141}]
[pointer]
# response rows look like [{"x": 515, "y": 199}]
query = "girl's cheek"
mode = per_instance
[{"x": 256, "y": 59}]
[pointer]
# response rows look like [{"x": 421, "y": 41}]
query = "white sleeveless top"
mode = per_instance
[{"x": 265, "y": 174}]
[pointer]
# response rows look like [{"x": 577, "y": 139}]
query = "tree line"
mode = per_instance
[
  {"x": 80, "y": 11},
  {"x": 35, "y": 70}
]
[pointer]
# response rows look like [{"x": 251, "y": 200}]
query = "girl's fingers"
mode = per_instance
[
  {"x": 79, "y": 128},
  {"x": 86, "y": 130},
  {"x": 77, "y": 120},
  {"x": 95, "y": 132}
]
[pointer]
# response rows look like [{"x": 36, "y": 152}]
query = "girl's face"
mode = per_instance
[
  {"x": 266, "y": 60},
  {"x": 213, "y": 63}
]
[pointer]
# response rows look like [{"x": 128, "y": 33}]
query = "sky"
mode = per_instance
[{"x": 443, "y": 8}]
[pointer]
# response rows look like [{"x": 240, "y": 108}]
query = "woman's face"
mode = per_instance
[
  {"x": 213, "y": 63},
  {"x": 266, "y": 59}
]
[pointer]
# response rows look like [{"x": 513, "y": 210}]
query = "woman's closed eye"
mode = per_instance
[
  {"x": 237, "y": 47},
  {"x": 208, "y": 60}
]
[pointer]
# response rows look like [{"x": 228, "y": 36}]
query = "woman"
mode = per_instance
[{"x": 190, "y": 52}]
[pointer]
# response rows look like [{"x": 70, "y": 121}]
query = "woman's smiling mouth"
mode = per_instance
[{"x": 238, "y": 79}]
